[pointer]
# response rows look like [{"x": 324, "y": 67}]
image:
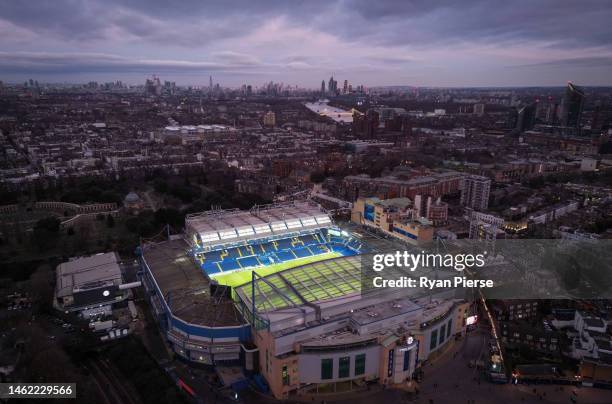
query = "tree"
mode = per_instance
[
  {"x": 50, "y": 223},
  {"x": 41, "y": 286},
  {"x": 110, "y": 221},
  {"x": 45, "y": 232},
  {"x": 169, "y": 216},
  {"x": 317, "y": 177}
]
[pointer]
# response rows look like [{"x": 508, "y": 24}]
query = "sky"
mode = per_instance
[{"x": 371, "y": 42}]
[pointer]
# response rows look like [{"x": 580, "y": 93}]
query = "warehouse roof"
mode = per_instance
[{"x": 87, "y": 272}]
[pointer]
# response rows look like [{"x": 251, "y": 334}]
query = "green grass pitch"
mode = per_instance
[{"x": 237, "y": 278}]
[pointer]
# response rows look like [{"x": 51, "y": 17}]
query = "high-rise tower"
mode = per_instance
[{"x": 571, "y": 106}]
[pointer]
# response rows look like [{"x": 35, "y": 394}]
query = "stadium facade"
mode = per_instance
[{"x": 278, "y": 289}]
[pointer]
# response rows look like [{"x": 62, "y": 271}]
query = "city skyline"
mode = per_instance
[{"x": 389, "y": 43}]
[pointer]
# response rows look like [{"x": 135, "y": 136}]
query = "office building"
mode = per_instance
[
  {"x": 526, "y": 118},
  {"x": 572, "y": 105},
  {"x": 269, "y": 119},
  {"x": 396, "y": 217}
]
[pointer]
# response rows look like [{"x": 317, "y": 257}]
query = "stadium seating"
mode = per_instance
[
  {"x": 302, "y": 252},
  {"x": 213, "y": 256},
  {"x": 246, "y": 262},
  {"x": 232, "y": 253},
  {"x": 283, "y": 244},
  {"x": 253, "y": 254},
  {"x": 229, "y": 265},
  {"x": 285, "y": 255},
  {"x": 211, "y": 268}
]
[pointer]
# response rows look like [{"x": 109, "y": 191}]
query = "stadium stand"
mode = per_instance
[
  {"x": 226, "y": 241},
  {"x": 275, "y": 251}
]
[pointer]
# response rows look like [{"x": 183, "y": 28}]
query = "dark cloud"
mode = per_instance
[
  {"x": 189, "y": 22},
  {"x": 174, "y": 33},
  {"x": 566, "y": 23},
  {"x": 183, "y": 23},
  {"x": 582, "y": 62},
  {"x": 40, "y": 62}
]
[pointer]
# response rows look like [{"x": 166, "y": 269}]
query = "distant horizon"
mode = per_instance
[{"x": 313, "y": 88}]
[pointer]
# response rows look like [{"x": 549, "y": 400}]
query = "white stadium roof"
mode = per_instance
[{"x": 223, "y": 226}]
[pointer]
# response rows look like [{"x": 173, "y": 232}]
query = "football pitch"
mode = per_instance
[{"x": 237, "y": 278}]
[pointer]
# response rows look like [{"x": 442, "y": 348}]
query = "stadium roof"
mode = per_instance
[
  {"x": 185, "y": 288},
  {"x": 326, "y": 282},
  {"x": 320, "y": 281},
  {"x": 224, "y": 226}
]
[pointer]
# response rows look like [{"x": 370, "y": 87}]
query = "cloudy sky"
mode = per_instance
[{"x": 370, "y": 42}]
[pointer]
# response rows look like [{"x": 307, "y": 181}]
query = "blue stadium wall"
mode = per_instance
[{"x": 165, "y": 317}]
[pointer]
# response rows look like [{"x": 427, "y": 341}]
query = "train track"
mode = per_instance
[{"x": 110, "y": 383}]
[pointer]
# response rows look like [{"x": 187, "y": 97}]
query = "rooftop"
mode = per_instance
[
  {"x": 400, "y": 203},
  {"x": 87, "y": 272},
  {"x": 220, "y": 226},
  {"x": 185, "y": 288},
  {"x": 324, "y": 280},
  {"x": 327, "y": 283}
]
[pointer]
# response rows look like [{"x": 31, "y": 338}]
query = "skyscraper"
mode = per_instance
[
  {"x": 526, "y": 118},
  {"x": 345, "y": 87},
  {"x": 475, "y": 192},
  {"x": 571, "y": 106},
  {"x": 322, "y": 86},
  {"x": 153, "y": 86},
  {"x": 332, "y": 86}
]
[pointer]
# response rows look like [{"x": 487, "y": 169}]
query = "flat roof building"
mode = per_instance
[
  {"x": 397, "y": 217},
  {"x": 87, "y": 282}
]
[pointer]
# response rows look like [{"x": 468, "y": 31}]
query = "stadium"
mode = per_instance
[
  {"x": 230, "y": 244},
  {"x": 277, "y": 290}
]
